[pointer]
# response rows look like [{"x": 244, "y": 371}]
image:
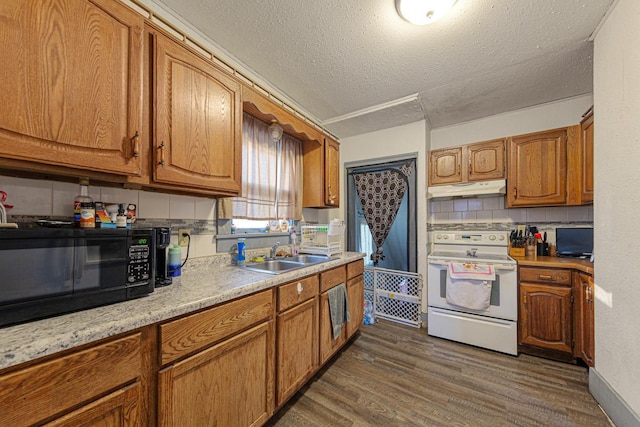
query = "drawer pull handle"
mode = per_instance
[
  {"x": 545, "y": 277},
  {"x": 299, "y": 288}
]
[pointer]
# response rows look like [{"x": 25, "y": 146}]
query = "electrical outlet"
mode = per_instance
[{"x": 183, "y": 240}]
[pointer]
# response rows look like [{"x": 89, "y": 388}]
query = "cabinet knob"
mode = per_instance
[{"x": 299, "y": 288}]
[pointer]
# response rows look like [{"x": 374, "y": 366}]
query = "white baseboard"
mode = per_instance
[{"x": 615, "y": 407}]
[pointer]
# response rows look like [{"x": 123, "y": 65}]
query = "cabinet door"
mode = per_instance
[
  {"x": 332, "y": 172},
  {"x": 77, "y": 380},
  {"x": 584, "y": 322},
  {"x": 229, "y": 384},
  {"x": 537, "y": 169},
  {"x": 328, "y": 345},
  {"x": 587, "y": 158},
  {"x": 72, "y": 84},
  {"x": 297, "y": 348},
  {"x": 198, "y": 122},
  {"x": 486, "y": 160},
  {"x": 355, "y": 293},
  {"x": 545, "y": 316},
  {"x": 118, "y": 409},
  {"x": 445, "y": 166},
  {"x": 321, "y": 174}
]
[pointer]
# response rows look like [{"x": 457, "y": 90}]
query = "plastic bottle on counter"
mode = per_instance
[
  {"x": 241, "y": 251},
  {"x": 84, "y": 211},
  {"x": 175, "y": 260}
]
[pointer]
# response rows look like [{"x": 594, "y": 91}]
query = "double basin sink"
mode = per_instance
[{"x": 283, "y": 265}]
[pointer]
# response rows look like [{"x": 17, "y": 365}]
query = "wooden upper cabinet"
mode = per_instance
[
  {"x": 445, "y": 166},
  {"x": 332, "y": 172},
  {"x": 72, "y": 84},
  {"x": 537, "y": 169},
  {"x": 480, "y": 161},
  {"x": 321, "y": 171},
  {"x": 198, "y": 122},
  {"x": 485, "y": 160},
  {"x": 586, "y": 142}
]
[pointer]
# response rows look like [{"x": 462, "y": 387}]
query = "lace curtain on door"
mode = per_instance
[{"x": 381, "y": 194}]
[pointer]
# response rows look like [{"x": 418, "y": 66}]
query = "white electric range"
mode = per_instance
[{"x": 495, "y": 328}]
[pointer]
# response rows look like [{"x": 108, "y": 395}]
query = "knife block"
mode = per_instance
[{"x": 516, "y": 252}]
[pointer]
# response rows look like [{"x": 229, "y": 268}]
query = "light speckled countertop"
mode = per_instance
[{"x": 204, "y": 285}]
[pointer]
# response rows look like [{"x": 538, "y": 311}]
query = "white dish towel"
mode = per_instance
[{"x": 469, "y": 285}]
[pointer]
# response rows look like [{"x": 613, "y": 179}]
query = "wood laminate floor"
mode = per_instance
[{"x": 395, "y": 375}]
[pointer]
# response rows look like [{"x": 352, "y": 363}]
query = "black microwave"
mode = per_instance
[{"x": 49, "y": 271}]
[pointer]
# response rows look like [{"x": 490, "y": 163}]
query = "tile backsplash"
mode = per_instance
[
  {"x": 490, "y": 214},
  {"x": 492, "y": 210},
  {"x": 32, "y": 199}
]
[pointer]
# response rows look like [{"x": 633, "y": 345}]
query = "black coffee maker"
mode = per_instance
[{"x": 163, "y": 239}]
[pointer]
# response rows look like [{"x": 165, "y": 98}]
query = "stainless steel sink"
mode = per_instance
[
  {"x": 278, "y": 266},
  {"x": 274, "y": 266},
  {"x": 309, "y": 259}
]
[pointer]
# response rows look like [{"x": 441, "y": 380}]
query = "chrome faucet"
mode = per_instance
[
  {"x": 274, "y": 248},
  {"x": 472, "y": 252}
]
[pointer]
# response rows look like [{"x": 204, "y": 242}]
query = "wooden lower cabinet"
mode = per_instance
[
  {"x": 545, "y": 315},
  {"x": 229, "y": 384},
  {"x": 328, "y": 344},
  {"x": 212, "y": 367},
  {"x": 297, "y": 348},
  {"x": 584, "y": 320},
  {"x": 120, "y": 408},
  {"x": 100, "y": 385},
  {"x": 296, "y": 336},
  {"x": 355, "y": 293}
]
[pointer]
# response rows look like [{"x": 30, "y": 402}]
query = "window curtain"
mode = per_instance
[
  {"x": 267, "y": 166},
  {"x": 381, "y": 194}
]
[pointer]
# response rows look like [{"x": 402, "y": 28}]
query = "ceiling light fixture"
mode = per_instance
[
  {"x": 422, "y": 12},
  {"x": 275, "y": 131}
]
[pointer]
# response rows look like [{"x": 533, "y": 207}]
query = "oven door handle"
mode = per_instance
[{"x": 495, "y": 266}]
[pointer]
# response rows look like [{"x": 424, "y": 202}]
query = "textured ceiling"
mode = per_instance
[{"x": 356, "y": 66}]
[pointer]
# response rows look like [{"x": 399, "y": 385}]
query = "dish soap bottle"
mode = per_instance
[{"x": 83, "y": 207}]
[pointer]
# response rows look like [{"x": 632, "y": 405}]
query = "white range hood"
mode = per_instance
[{"x": 468, "y": 189}]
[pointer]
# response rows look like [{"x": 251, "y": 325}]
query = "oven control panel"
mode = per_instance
[{"x": 492, "y": 238}]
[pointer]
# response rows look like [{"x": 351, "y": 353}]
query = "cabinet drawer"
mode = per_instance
[
  {"x": 191, "y": 333},
  {"x": 296, "y": 292},
  {"x": 333, "y": 277},
  {"x": 545, "y": 275},
  {"x": 355, "y": 268},
  {"x": 31, "y": 395}
]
